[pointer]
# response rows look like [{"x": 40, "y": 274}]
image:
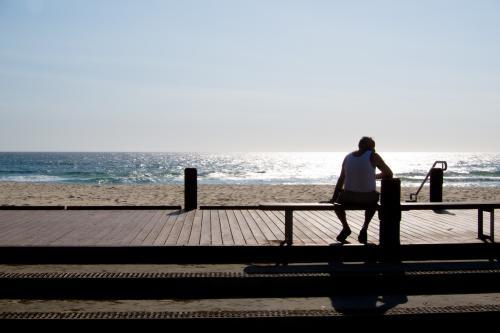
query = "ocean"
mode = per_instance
[{"x": 464, "y": 169}]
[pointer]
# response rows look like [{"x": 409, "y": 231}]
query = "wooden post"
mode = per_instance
[
  {"x": 288, "y": 227},
  {"x": 436, "y": 187},
  {"x": 190, "y": 189},
  {"x": 480, "y": 219},
  {"x": 390, "y": 218}
]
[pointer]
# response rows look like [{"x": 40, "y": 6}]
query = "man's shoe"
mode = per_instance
[
  {"x": 343, "y": 235},
  {"x": 363, "y": 236}
]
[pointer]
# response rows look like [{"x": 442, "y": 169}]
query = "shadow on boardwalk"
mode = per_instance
[{"x": 353, "y": 290}]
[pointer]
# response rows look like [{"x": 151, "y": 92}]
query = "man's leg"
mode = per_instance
[
  {"x": 363, "y": 234},
  {"x": 346, "y": 231},
  {"x": 369, "y": 213}
]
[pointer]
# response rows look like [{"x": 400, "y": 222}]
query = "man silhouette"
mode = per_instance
[{"x": 356, "y": 185}]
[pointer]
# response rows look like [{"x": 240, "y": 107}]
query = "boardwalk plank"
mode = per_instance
[
  {"x": 277, "y": 230},
  {"x": 195, "y": 236},
  {"x": 301, "y": 232},
  {"x": 12, "y": 220},
  {"x": 206, "y": 234},
  {"x": 356, "y": 220},
  {"x": 18, "y": 230},
  {"x": 323, "y": 233},
  {"x": 139, "y": 229},
  {"x": 218, "y": 227},
  {"x": 159, "y": 219},
  {"x": 439, "y": 226},
  {"x": 19, "y": 222},
  {"x": 462, "y": 220},
  {"x": 332, "y": 226},
  {"x": 128, "y": 234},
  {"x": 62, "y": 230},
  {"x": 176, "y": 229},
  {"x": 122, "y": 227},
  {"x": 186, "y": 229},
  {"x": 270, "y": 217},
  {"x": 267, "y": 229},
  {"x": 312, "y": 232},
  {"x": 37, "y": 229},
  {"x": 257, "y": 233},
  {"x": 417, "y": 231},
  {"x": 148, "y": 222},
  {"x": 87, "y": 230},
  {"x": 236, "y": 232},
  {"x": 58, "y": 228},
  {"x": 168, "y": 224},
  {"x": 108, "y": 220},
  {"x": 227, "y": 236},
  {"x": 245, "y": 229},
  {"x": 279, "y": 219},
  {"x": 215, "y": 227}
]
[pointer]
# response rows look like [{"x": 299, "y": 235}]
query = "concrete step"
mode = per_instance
[
  {"x": 240, "y": 281},
  {"x": 291, "y": 310}
]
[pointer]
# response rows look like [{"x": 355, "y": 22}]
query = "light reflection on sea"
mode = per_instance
[{"x": 464, "y": 169}]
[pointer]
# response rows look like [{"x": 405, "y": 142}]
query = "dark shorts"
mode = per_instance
[{"x": 358, "y": 198}]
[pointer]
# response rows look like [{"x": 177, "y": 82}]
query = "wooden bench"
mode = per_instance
[
  {"x": 481, "y": 207},
  {"x": 290, "y": 207}
]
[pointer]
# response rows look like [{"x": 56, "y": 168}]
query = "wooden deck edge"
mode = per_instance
[
  {"x": 174, "y": 207},
  {"x": 240, "y": 254},
  {"x": 32, "y": 207},
  {"x": 221, "y": 207}
]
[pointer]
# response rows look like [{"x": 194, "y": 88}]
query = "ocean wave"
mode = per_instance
[{"x": 34, "y": 179}]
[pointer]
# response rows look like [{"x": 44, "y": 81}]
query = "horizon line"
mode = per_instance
[{"x": 231, "y": 152}]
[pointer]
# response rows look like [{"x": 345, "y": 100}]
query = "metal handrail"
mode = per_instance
[{"x": 444, "y": 166}]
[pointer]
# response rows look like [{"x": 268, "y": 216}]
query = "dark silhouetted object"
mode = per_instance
[
  {"x": 390, "y": 217},
  {"x": 436, "y": 187},
  {"x": 190, "y": 189}
]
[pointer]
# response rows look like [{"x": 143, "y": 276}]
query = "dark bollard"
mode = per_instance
[
  {"x": 288, "y": 227},
  {"x": 390, "y": 218},
  {"x": 190, "y": 189},
  {"x": 436, "y": 187}
]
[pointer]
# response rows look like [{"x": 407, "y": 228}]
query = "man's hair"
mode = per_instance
[{"x": 366, "y": 143}]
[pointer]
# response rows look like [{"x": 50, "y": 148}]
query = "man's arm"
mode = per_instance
[
  {"x": 340, "y": 184},
  {"x": 386, "y": 172}
]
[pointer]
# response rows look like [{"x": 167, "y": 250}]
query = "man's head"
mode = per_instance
[{"x": 366, "y": 143}]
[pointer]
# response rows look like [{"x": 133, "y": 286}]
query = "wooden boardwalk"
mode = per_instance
[{"x": 218, "y": 227}]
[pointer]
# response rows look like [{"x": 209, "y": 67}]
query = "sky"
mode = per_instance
[{"x": 237, "y": 76}]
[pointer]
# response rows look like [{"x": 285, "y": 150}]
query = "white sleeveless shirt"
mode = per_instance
[{"x": 359, "y": 173}]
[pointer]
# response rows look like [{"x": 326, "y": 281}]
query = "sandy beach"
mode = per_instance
[{"x": 18, "y": 193}]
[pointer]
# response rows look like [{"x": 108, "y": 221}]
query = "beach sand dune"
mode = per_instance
[{"x": 17, "y": 193}]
